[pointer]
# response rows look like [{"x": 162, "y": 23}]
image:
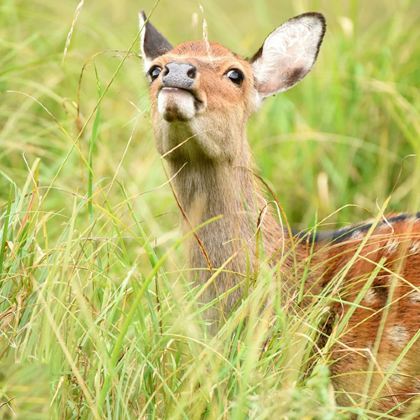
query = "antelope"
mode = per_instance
[{"x": 202, "y": 95}]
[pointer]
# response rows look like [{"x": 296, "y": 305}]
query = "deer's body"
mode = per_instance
[
  {"x": 202, "y": 95},
  {"x": 384, "y": 282}
]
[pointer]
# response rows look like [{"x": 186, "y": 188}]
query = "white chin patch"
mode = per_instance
[{"x": 176, "y": 104}]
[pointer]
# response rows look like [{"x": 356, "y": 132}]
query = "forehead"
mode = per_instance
[{"x": 204, "y": 51}]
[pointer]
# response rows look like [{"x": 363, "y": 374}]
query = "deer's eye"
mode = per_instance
[
  {"x": 235, "y": 76},
  {"x": 154, "y": 72}
]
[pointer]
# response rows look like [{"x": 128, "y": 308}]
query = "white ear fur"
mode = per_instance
[
  {"x": 142, "y": 28},
  {"x": 288, "y": 53}
]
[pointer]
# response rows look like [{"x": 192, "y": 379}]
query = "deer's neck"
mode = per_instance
[{"x": 224, "y": 197}]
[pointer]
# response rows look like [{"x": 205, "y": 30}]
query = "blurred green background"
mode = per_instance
[
  {"x": 346, "y": 134},
  {"x": 83, "y": 206}
]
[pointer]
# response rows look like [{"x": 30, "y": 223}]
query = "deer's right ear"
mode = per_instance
[
  {"x": 288, "y": 54},
  {"x": 152, "y": 42}
]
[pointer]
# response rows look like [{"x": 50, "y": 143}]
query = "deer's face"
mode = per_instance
[
  {"x": 202, "y": 94},
  {"x": 197, "y": 79},
  {"x": 199, "y": 91}
]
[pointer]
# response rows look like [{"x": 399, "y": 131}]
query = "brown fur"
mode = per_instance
[
  {"x": 386, "y": 319},
  {"x": 211, "y": 161}
]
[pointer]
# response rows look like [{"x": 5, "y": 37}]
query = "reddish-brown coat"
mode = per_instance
[
  {"x": 384, "y": 282},
  {"x": 219, "y": 183}
]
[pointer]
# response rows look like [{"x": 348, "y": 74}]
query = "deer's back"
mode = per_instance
[{"x": 374, "y": 276}]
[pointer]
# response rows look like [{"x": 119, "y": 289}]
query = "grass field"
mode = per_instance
[{"x": 97, "y": 315}]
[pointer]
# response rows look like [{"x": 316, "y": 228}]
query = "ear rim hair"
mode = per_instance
[
  {"x": 317, "y": 15},
  {"x": 298, "y": 76}
]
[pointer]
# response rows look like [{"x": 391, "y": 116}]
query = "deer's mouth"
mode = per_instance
[{"x": 178, "y": 104}]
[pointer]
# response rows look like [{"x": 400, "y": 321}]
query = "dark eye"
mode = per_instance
[
  {"x": 235, "y": 76},
  {"x": 154, "y": 72}
]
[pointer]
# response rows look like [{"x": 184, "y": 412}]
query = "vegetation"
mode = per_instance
[{"x": 98, "y": 318}]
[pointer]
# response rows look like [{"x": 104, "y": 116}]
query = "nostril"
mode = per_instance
[
  {"x": 192, "y": 72},
  {"x": 179, "y": 75}
]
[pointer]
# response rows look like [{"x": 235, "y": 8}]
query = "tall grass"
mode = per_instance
[{"x": 98, "y": 318}]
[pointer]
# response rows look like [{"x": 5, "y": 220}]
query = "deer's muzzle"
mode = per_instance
[{"x": 178, "y": 99}]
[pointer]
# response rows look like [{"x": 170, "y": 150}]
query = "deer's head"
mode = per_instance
[{"x": 202, "y": 93}]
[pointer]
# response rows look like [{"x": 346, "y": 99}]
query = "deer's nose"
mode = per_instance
[{"x": 179, "y": 75}]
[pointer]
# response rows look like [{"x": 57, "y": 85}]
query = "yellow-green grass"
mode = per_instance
[{"x": 98, "y": 318}]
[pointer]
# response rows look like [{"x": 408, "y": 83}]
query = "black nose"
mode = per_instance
[{"x": 179, "y": 75}]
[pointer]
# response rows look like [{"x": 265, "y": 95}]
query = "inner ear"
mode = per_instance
[
  {"x": 152, "y": 43},
  {"x": 288, "y": 53}
]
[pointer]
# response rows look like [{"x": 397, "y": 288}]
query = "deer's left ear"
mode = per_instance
[
  {"x": 152, "y": 42},
  {"x": 288, "y": 53}
]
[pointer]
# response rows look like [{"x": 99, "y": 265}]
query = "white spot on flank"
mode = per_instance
[
  {"x": 391, "y": 246},
  {"x": 415, "y": 247},
  {"x": 398, "y": 335},
  {"x": 384, "y": 228},
  {"x": 357, "y": 234},
  {"x": 370, "y": 296},
  {"x": 414, "y": 297}
]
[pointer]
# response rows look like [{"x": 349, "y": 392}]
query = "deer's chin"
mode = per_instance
[{"x": 175, "y": 104}]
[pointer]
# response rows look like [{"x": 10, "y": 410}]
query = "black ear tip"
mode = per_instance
[
  {"x": 143, "y": 15},
  {"x": 321, "y": 17},
  {"x": 316, "y": 15}
]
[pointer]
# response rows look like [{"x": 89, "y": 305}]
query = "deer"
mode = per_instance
[{"x": 202, "y": 95}]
